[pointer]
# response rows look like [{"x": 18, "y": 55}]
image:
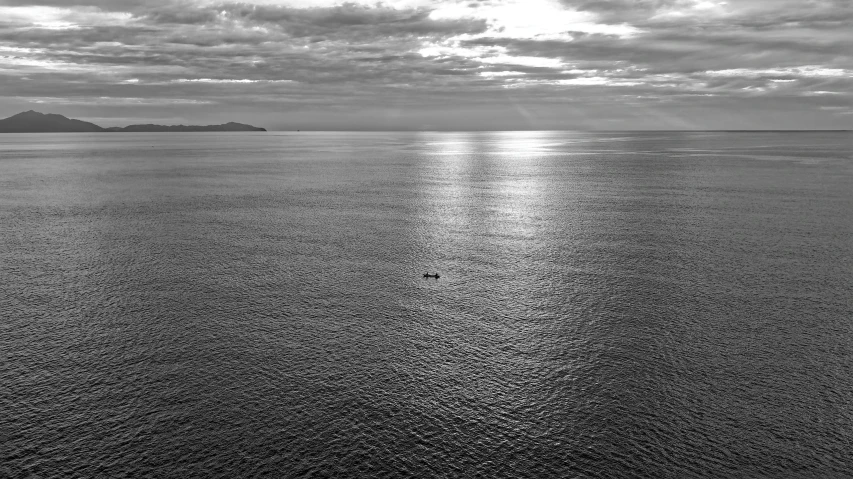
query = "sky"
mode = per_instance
[{"x": 433, "y": 64}]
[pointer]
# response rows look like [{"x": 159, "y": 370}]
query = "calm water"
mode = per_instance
[{"x": 610, "y": 305}]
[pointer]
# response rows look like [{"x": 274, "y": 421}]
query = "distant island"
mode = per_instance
[{"x": 35, "y": 122}]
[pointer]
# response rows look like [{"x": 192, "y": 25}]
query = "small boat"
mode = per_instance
[{"x": 427, "y": 275}]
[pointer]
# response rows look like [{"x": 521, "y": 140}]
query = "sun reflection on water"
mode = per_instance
[{"x": 484, "y": 191}]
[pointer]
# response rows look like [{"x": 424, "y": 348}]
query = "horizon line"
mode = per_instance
[{"x": 823, "y": 130}]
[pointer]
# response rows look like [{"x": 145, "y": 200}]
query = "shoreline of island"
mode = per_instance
[{"x": 36, "y": 122}]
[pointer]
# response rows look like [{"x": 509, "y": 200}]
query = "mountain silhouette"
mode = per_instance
[{"x": 35, "y": 122}]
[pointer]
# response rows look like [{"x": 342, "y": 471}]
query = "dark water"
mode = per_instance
[{"x": 610, "y": 305}]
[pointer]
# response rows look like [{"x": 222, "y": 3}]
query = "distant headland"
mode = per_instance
[{"x": 35, "y": 122}]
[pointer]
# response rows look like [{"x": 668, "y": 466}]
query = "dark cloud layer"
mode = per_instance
[{"x": 497, "y": 64}]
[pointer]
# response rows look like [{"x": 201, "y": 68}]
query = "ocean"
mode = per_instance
[{"x": 626, "y": 304}]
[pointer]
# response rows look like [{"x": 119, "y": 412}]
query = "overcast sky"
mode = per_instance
[{"x": 433, "y": 64}]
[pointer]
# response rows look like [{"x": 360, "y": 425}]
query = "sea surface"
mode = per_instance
[{"x": 619, "y": 305}]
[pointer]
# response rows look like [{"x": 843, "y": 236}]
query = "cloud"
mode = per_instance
[
  {"x": 347, "y": 20},
  {"x": 56, "y": 18},
  {"x": 803, "y": 71},
  {"x": 411, "y": 54},
  {"x": 501, "y": 74},
  {"x": 604, "y": 81},
  {"x": 114, "y": 101}
]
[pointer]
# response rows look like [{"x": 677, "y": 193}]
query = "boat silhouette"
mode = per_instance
[{"x": 427, "y": 275}]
